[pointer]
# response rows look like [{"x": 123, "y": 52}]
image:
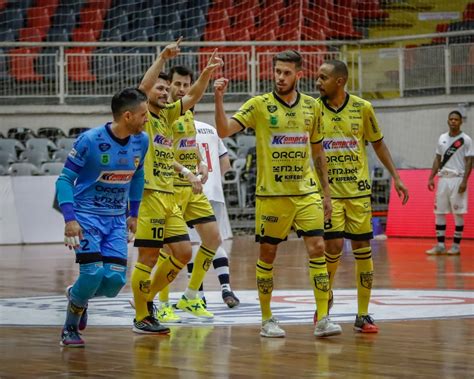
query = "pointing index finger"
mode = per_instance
[{"x": 179, "y": 41}]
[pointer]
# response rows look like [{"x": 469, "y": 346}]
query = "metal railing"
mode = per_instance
[{"x": 62, "y": 72}]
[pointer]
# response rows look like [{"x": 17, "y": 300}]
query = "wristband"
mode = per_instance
[{"x": 185, "y": 171}]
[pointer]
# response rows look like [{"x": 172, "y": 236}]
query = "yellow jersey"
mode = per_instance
[
  {"x": 284, "y": 135},
  {"x": 159, "y": 171},
  {"x": 346, "y": 132},
  {"x": 185, "y": 147}
]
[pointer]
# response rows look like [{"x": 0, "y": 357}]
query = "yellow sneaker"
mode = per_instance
[
  {"x": 165, "y": 314},
  {"x": 194, "y": 307}
]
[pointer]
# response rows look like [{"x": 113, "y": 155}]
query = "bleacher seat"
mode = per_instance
[
  {"x": 50, "y": 5},
  {"x": 60, "y": 155},
  {"x": 39, "y": 18},
  {"x": 106, "y": 69},
  {"x": 75, "y": 132},
  {"x": 51, "y": 133},
  {"x": 34, "y": 157},
  {"x": 6, "y": 158},
  {"x": 21, "y": 134},
  {"x": 4, "y": 74},
  {"x": 23, "y": 169},
  {"x": 65, "y": 18},
  {"x": 78, "y": 65},
  {"x": 22, "y": 65},
  {"x": 7, "y": 35},
  {"x": 65, "y": 143},
  {"x": 51, "y": 168},
  {"x": 58, "y": 35},
  {"x": 13, "y": 18},
  {"x": 92, "y": 19},
  {"x": 11, "y": 146}
]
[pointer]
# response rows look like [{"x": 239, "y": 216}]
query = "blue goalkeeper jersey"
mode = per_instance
[{"x": 104, "y": 168}]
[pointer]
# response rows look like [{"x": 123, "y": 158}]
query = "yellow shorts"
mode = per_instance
[
  {"x": 351, "y": 219},
  {"x": 195, "y": 208},
  {"x": 159, "y": 221},
  {"x": 275, "y": 216}
]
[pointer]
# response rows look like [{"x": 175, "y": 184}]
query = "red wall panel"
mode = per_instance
[{"x": 416, "y": 218}]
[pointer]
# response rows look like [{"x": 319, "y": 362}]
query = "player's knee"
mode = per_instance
[
  {"x": 334, "y": 246},
  {"x": 90, "y": 278},
  {"x": 315, "y": 248},
  {"x": 114, "y": 279},
  {"x": 212, "y": 239},
  {"x": 183, "y": 254},
  {"x": 267, "y": 253},
  {"x": 148, "y": 256}
]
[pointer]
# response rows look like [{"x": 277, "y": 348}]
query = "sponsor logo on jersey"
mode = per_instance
[
  {"x": 163, "y": 141},
  {"x": 272, "y": 108},
  {"x": 104, "y": 146},
  {"x": 273, "y": 120},
  {"x": 180, "y": 127},
  {"x": 187, "y": 143},
  {"x": 136, "y": 160},
  {"x": 73, "y": 153},
  {"x": 115, "y": 177},
  {"x": 340, "y": 144},
  {"x": 105, "y": 159},
  {"x": 289, "y": 140}
]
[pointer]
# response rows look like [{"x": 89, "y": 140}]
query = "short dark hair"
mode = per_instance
[
  {"x": 164, "y": 76},
  {"x": 161, "y": 75},
  {"x": 455, "y": 112},
  {"x": 126, "y": 100},
  {"x": 340, "y": 68},
  {"x": 180, "y": 70},
  {"x": 289, "y": 56}
]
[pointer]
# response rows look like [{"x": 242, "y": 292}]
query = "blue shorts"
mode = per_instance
[{"x": 105, "y": 239}]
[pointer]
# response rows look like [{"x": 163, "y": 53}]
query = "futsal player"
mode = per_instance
[
  {"x": 349, "y": 122},
  {"x": 160, "y": 220},
  {"x": 289, "y": 140},
  {"x": 102, "y": 177},
  {"x": 452, "y": 164}
]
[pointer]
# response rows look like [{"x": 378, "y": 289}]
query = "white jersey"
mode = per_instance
[
  {"x": 453, "y": 151},
  {"x": 212, "y": 149}
]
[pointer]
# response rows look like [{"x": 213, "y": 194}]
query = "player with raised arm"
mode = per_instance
[
  {"x": 102, "y": 177},
  {"x": 195, "y": 207},
  {"x": 160, "y": 220},
  {"x": 289, "y": 140},
  {"x": 349, "y": 122}
]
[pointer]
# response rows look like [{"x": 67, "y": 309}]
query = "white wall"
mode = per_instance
[{"x": 411, "y": 126}]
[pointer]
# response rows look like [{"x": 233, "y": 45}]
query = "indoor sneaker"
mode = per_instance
[
  {"x": 149, "y": 325},
  {"x": 271, "y": 329},
  {"x": 70, "y": 337},
  {"x": 365, "y": 324},
  {"x": 326, "y": 328},
  {"x": 436, "y": 250}
]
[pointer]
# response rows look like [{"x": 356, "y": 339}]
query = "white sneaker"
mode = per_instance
[
  {"x": 437, "y": 249},
  {"x": 271, "y": 329},
  {"x": 325, "y": 328},
  {"x": 455, "y": 250}
]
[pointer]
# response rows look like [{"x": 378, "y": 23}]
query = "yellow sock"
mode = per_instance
[
  {"x": 265, "y": 287},
  {"x": 319, "y": 278},
  {"x": 165, "y": 292},
  {"x": 202, "y": 262},
  {"x": 141, "y": 289},
  {"x": 165, "y": 273},
  {"x": 364, "y": 278},
  {"x": 332, "y": 263}
]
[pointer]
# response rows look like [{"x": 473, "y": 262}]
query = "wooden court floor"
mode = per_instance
[{"x": 439, "y": 345}]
